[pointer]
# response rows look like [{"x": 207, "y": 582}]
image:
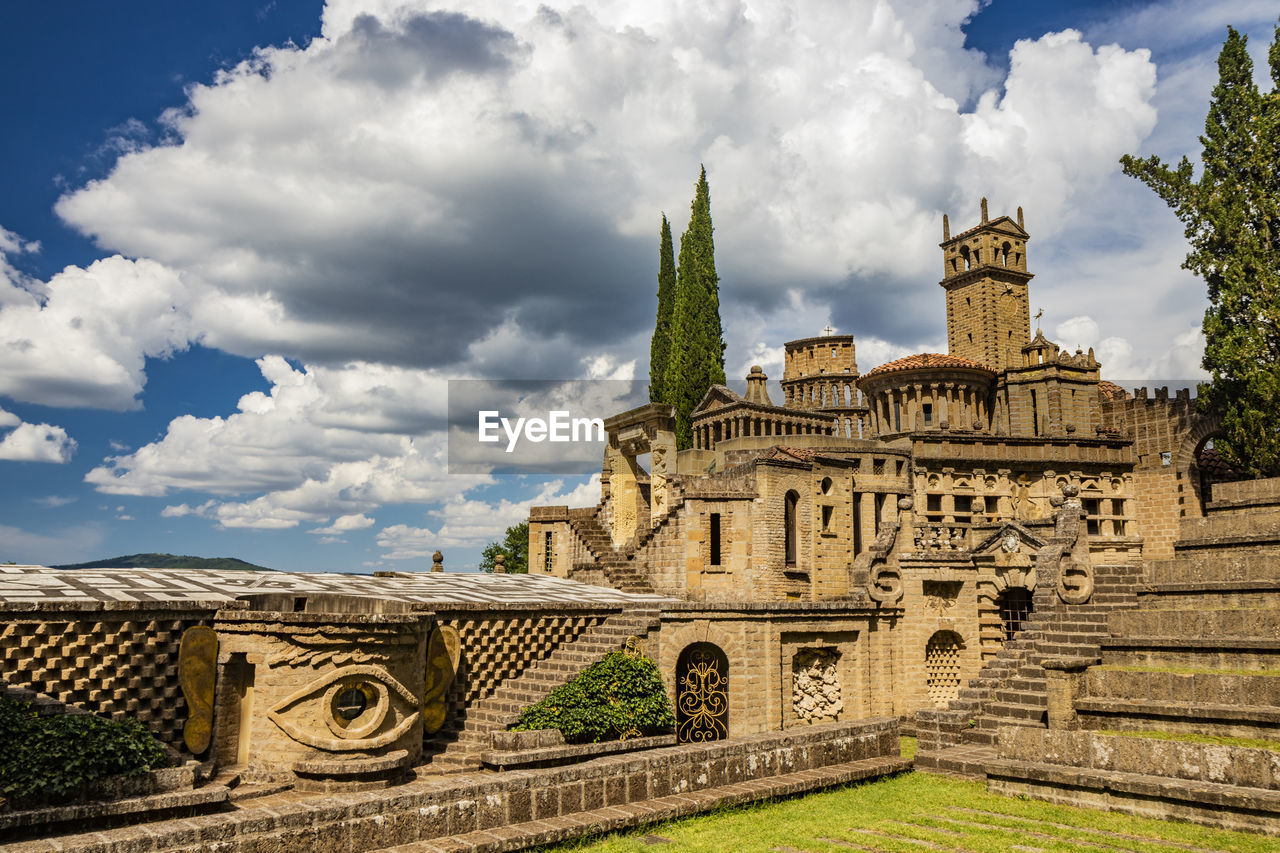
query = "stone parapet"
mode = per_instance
[{"x": 438, "y": 807}]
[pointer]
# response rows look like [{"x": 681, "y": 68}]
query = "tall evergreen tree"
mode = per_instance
[
  {"x": 1232, "y": 219},
  {"x": 660, "y": 344},
  {"x": 697, "y": 340}
]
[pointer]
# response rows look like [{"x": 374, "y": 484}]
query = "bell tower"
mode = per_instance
[{"x": 985, "y": 277}]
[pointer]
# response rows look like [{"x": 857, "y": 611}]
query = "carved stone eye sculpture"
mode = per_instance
[{"x": 353, "y": 708}]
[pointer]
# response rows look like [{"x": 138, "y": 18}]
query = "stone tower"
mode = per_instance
[{"x": 985, "y": 276}]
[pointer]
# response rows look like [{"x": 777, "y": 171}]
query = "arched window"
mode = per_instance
[
  {"x": 1015, "y": 606},
  {"x": 702, "y": 694},
  {"x": 1004, "y": 254},
  {"x": 791, "y": 505},
  {"x": 942, "y": 667},
  {"x": 964, "y": 255}
]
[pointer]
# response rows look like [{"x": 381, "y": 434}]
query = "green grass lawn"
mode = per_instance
[{"x": 919, "y": 812}]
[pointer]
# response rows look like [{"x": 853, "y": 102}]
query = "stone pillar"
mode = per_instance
[
  {"x": 498, "y": 564},
  {"x": 662, "y": 458},
  {"x": 1064, "y": 677},
  {"x": 437, "y": 562}
]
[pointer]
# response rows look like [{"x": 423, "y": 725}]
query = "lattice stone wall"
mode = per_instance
[
  {"x": 119, "y": 664},
  {"x": 500, "y": 645},
  {"x": 942, "y": 667}
]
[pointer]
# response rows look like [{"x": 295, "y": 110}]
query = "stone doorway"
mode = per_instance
[{"x": 702, "y": 694}]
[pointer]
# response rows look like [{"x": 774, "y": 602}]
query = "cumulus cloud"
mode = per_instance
[
  {"x": 345, "y": 524},
  {"x": 321, "y": 442},
  {"x": 456, "y": 162},
  {"x": 82, "y": 338},
  {"x": 469, "y": 522},
  {"x": 26, "y": 442}
]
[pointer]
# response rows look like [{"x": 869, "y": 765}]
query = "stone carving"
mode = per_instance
[
  {"x": 197, "y": 668},
  {"x": 815, "y": 693},
  {"x": 443, "y": 650},
  {"x": 346, "y": 710},
  {"x": 941, "y": 596}
]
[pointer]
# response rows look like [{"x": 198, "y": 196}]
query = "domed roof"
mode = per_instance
[{"x": 925, "y": 361}]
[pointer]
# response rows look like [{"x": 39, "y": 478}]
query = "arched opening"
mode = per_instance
[
  {"x": 702, "y": 694},
  {"x": 1004, "y": 254},
  {"x": 964, "y": 256},
  {"x": 790, "y": 511},
  {"x": 942, "y": 667},
  {"x": 1015, "y": 606}
]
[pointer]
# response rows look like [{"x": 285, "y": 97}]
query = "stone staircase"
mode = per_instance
[
  {"x": 1200, "y": 655},
  {"x": 457, "y": 748},
  {"x": 1011, "y": 689},
  {"x": 618, "y": 571}
]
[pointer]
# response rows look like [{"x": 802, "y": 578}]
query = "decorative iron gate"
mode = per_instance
[{"x": 702, "y": 694}]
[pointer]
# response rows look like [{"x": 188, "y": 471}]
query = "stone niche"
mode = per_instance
[
  {"x": 819, "y": 676},
  {"x": 325, "y": 691}
]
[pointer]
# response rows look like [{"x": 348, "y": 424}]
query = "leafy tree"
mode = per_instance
[
  {"x": 514, "y": 549},
  {"x": 697, "y": 339},
  {"x": 660, "y": 344},
  {"x": 1232, "y": 218}
]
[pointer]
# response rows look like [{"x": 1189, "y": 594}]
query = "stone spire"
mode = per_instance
[{"x": 756, "y": 390}]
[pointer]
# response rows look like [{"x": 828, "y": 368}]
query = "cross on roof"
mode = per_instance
[{"x": 828, "y": 330}]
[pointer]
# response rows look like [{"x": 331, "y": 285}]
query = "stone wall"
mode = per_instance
[
  {"x": 115, "y": 659},
  {"x": 761, "y": 642}
]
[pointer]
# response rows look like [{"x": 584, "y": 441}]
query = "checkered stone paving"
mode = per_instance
[{"x": 38, "y": 583}]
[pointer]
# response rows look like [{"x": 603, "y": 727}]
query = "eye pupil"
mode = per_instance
[{"x": 351, "y": 703}]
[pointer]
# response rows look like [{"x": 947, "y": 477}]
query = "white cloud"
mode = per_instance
[
  {"x": 70, "y": 544},
  {"x": 53, "y": 501},
  {"x": 345, "y": 524},
  {"x": 834, "y": 137},
  {"x": 25, "y": 442},
  {"x": 82, "y": 338},
  {"x": 469, "y": 522},
  {"x": 321, "y": 442}
]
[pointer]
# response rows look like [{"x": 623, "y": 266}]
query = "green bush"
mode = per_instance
[
  {"x": 617, "y": 696},
  {"x": 54, "y": 758}
]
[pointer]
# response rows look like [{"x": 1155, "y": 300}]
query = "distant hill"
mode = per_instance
[{"x": 168, "y": 561}]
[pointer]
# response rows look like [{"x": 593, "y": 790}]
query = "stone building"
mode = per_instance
[{"x": 925, "y": 495}]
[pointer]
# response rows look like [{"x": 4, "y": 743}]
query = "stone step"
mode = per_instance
[
  {"x": 1207, "y": 686},
  {"x": 1208, "y": 566},
  {"x": 1233, "y": 653},
  {"x": 1226, "y": 719},
  {"x": 1021, "y": 697},
  {"x": 1262, "y": 525},
  {"x": 967, "y": 760},
  {"x": 1225, "y": 622},
  {"x": 1016, "y": 713},
  {"x": 1211, "y": 595}
]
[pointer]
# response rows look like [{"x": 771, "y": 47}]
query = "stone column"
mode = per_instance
[{"x": 1064, "y": 677}]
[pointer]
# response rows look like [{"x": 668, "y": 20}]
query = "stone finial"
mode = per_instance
[
  {"x": 906, "y": 503},
  {"x": 498, "y": 567},
  {"x": 1020, "y": 218},
  {"x": 757, "y": 389},
  {"x": 437, "y": 562},
  {"x": 984, "y": 209},
  {"x": 946, "y": 228}
]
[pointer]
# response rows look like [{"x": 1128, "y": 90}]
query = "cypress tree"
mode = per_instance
[
  {"x": 660, "y": 344},
  {"x": 696, "y": 360},
  {"x": 1232, "y": 219}
]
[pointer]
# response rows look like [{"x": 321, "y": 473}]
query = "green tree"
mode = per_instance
[
  {"x": 660, "y": 344},
  {"x": 514, "y": 549},
  {"x": 697, "y": 339},
  {"x": 1232, "y": 218}
]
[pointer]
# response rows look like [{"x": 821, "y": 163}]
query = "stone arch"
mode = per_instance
[
  {"x": 1186, "y": 458},
  {"x": 942, "y": 667},
  {"x": 702, "y": 693}
]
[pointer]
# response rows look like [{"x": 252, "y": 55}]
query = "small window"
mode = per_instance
[
  {"x": 1015, "y": 606},
  {"x": 790, "y": 523},
  {"x": 548, "y": 553},
  {"x": 992, "y": 507},
  {"x": 715, "y": 539},
  {"x": 926, "y": 409},
  {"x": 827, "y": 512},
  {"x": 1166, "y": 458}
]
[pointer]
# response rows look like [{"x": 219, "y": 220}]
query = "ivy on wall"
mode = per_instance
[
  {"x": 618, "y": 696},
  {"x": 54, "y": 758}
]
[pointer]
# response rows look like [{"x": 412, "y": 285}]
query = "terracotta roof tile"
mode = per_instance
[
  {"x": 925, "y": 360},
  {"x": 1111, "y": 391}
]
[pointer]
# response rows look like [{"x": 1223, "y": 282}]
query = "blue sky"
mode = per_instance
[{"x": 246, "y": 244}]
